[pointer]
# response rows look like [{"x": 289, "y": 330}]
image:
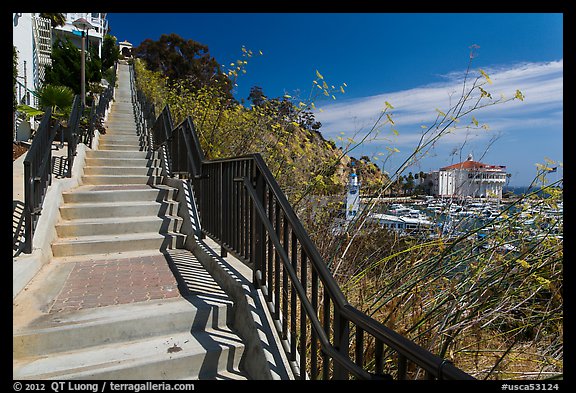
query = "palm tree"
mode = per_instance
[{"x": 58, "y": 98}]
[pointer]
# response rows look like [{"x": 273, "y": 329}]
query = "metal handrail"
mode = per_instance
[
  {"x": 98, "y": 111},
  {"x": 88, "y": 137},
  {"x": 38, "y": 160},
  {"x": 325, "y": 342},
  {"x": 260, "y": 227},
  {"x": 37, "y": 175},
  {"x": 72, "y": 132},
  {"x": 432, "y": 364}
]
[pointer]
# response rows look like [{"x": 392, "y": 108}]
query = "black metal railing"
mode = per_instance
[
  {"x": 38, "y": 160},
  {"x": 242, "y": 207},
  {"x": 37, "y": 175},
  {"x": 144, "y": 111},
  {"x": 93, "y": 119},
  {"x": 98, "y": 111},
  {"x": 72, "y": 132}
]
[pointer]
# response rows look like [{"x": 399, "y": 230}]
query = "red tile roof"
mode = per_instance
[{"x": 473, "y": 165}]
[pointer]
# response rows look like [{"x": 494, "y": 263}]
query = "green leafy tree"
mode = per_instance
[
  {"x": 65, "y": 67},
  {"x": 181, "y": 59},
  {"x": 110, "y": 52},
  {"x": 307, "y": 120},
  {"x": 93, "y": 66},
  {"x": 257, "y": 96}
]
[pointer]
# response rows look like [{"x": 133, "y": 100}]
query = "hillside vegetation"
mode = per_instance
[
  {"x": 301, "y": 159},
  {"x": 495, "y": 314}
]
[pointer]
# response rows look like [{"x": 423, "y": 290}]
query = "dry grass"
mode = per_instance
[{"x": 495, "y": 315}]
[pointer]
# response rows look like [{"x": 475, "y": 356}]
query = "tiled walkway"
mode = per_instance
[{"x": 116, "y": 281}]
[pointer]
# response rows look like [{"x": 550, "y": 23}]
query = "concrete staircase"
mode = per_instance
[
  {"x": 123, "y": 210},
  {"x": 183, "y": 338},
  {"x": 122, "y": 205}
]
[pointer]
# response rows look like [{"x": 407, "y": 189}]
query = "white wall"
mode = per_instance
[
  {"x": 24, "y": 41},
  {"x": 456, "y": 182},
  {"x": 95, "y": 35}
]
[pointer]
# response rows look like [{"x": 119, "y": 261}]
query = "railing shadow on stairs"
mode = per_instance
[
  {"x": 241, "y": 207},
  {"x": 194, "y": 285}
]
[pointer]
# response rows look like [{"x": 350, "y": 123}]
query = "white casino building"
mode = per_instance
[{"x": 468, "y": 178}]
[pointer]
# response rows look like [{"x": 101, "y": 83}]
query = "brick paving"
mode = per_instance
[{"x": 116, "y": 281}]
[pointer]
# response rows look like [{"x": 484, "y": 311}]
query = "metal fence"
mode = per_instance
[
  {"x": 37, "y": 175},
  {"x": 38, "y": 160},
  {"x": 98, "y": 111},
  {"x": 242, "y": 207},
  {"x": 72, "y": 132}
]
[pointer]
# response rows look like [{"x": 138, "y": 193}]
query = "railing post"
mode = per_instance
[
  {"x": 28, "y": 206},
  {"x": 341, "y": 343},
  {"x": 68, "y": 131},
  {"x": 220, "y": 193},
  {"x": 259, "y": 236}
]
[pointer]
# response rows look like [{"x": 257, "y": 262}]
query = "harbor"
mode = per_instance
[{"x": 466, "y": 211}]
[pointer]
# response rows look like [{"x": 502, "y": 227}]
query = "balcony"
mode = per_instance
[{"x": 98, "y": 21}]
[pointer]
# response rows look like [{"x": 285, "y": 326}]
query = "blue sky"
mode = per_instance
[{"x": 413, "y": 61}]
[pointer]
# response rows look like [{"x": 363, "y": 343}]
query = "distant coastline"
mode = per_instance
[{"x": 519, "y": 190}]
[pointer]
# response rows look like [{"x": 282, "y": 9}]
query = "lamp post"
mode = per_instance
[{"x": 83, "y": 25}]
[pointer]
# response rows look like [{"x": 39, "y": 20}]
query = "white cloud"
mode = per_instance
[
  {"x": 523, "y": 127},
  {"x": 540, "y": 83}
]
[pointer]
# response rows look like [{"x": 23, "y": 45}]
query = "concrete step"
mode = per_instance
[
  {"x": 104, "y": 256},
  {"x": 118, "y": 226},
  {"x": 72, "y": 211},
  {"x": 119, "y": 146},
  {"x": 230, "y": 376},
  {"x": 116, "y": 139},
  {"x": 117, "y": 154},
  {"x": 120, "y": 138},
  {"x": 121, "y": 179},
  {"x": 122, "y": 171},
  {"x": 124, "y": 129},
  {"x": 123, "y": 103},
  {"x": 200, "y": 354},
  {"x": 71, "y": 331},
  {"x": 114, "y": 119},
  {"x": 84, "y": 245},
  {"x": 121, "y": 162},
  {"x": 129, "y": 195},
  {"x": 122, "y": 110}
]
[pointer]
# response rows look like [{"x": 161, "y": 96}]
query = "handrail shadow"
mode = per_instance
[
  {"x": 198, "y": 287},
  {"x": 17, "y": 227}
]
